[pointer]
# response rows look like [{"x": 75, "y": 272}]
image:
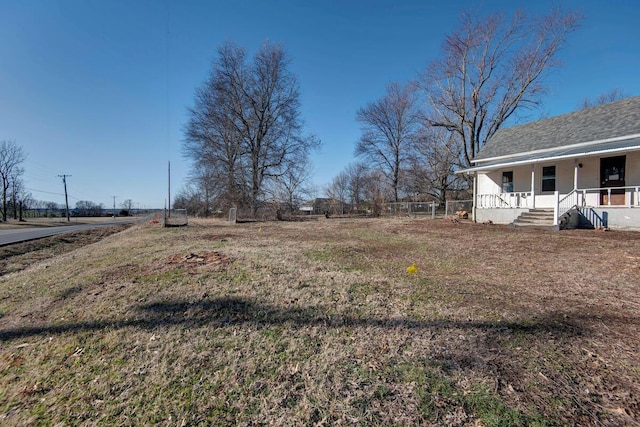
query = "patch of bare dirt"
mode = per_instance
[{"x": 207, "y": 258}]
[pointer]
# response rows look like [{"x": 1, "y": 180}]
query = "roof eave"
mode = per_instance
[{"x": 493, "y": 167}]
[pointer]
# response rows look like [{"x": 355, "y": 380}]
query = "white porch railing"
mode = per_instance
[
  {"x": 568, "y": 202},
  {"x": 585, "y": 197},
  {"x": 505, "y": 200},
  {"x": 592, "y": 197}
]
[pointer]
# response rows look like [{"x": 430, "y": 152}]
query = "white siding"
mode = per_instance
[
  {"x": 632, "y": 170},
  {"x": 589, "y": 173},
  {"x": 489, "y": 183},
  {"x": 588, "y": 176}
]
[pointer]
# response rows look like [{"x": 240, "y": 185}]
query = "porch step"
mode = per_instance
[{"x": 535, "y": 218}]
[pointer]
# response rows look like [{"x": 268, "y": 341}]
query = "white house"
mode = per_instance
[{"x": 581, "y": 168}]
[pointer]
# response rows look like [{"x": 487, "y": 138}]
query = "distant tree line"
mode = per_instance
[
  {"x": 83, "y": 208},
  {"x": 16, "y": 201}
]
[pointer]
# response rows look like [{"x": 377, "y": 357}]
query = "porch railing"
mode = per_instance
[
  {"x": 594, "y": 219},
  {"x": 583, "y": 197},
  {"x": 506, "y": 200},
  {"x": 568, "y": 202},
  {"x": 593, "y": 197}
]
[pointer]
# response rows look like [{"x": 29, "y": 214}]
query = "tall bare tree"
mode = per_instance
[
  {"x": 613, "y": 95},
  {"x": 388, "y": 127},
  {"x": 432, "y": 167},
  {"x": 11, "y": 157},
  {"x": 246, "y": 120},
  {"x": 490, "y": 69},
  {"x": 214, "y": 144}
]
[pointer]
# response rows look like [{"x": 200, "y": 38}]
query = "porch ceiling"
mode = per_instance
[{"x": 561, "y": 153}]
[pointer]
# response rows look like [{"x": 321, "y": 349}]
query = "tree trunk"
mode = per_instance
[{"x": 4, "y": 203}]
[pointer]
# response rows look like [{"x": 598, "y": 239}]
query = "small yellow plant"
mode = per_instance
[{"x": 412, "y": 269}]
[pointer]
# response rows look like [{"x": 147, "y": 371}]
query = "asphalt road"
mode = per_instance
[{"x": 8, "y": 237}]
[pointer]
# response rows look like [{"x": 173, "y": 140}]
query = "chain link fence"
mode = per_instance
[
  {"x": 270, "y": 212},
  {"x": 459, "y": 208},
  {"x": 175, "y": 218},
  {"x": 432, "y": 209}
]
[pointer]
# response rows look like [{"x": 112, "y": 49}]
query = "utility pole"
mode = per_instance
[
  {"x": 66, "y": 198},
  {"x": 114, "y": 206},
  {"x": 169, "y": 187}
]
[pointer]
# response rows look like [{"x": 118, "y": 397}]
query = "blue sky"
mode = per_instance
[{"x": 98, "y": 89}]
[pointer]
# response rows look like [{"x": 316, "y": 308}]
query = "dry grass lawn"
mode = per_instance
[{"x": 319, "y": 323}]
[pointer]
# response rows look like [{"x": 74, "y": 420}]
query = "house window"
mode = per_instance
[
  {"x": 548, "y": 178},
  {"x": 507, "y": 182}
]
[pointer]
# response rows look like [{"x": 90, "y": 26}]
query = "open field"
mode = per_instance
[{"x": 318, "y": 323}]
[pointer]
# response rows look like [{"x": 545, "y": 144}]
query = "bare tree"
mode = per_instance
[
  {"x": 357, "y": 176},
  {"x": 293, "y": 185},
  {"x": 190, "y": 197},
  {"x": 432, "y": 170},
  {"x": 211, "y": 187},
  {"x": 213, "y": 143},
  {"x": 11, "y": 157},
  {"x": 338, "y": 189},
  {"x": 87, "y": 208},
  {"x": 613, "y": 95},
  {"x": 127, "y": 205},
  {"x": 204, "y": 193},
  {"x": 490, "y": 69},
  {"x": 376, "y": 191},
  {"x": 246, "y": 122},
  {"x": 16, "y": 187},
  {"x": 388, "y": 127}
]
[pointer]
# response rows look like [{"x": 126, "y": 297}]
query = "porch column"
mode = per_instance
[
  {"x": 556, "y": 206},
  {"x": 473, "y": 204},
  {"x": 576, "y": 166},
  {"x": 533, "y": 186}
]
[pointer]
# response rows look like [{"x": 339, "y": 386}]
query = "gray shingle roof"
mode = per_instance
[{"x": 612, "y": 120}]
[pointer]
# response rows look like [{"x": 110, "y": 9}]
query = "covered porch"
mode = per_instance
[{"x": 600, "y": 181}]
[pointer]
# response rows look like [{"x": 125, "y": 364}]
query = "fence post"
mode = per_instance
[
  {"x": 433, "y": 210},
  {"x": 233, "y": 215}
]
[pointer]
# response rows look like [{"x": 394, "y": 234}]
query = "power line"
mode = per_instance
[{"x": 42, "y": 191}]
